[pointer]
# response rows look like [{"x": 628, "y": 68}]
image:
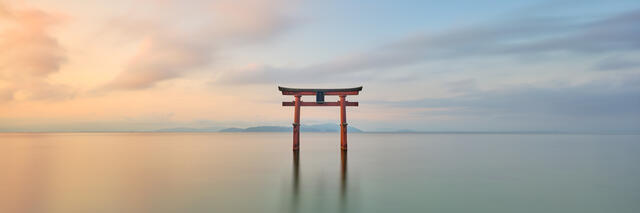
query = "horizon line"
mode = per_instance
[{"x": 363, "y": 132}]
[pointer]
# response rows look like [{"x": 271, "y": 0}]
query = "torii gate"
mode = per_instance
[{"x": 320, "y": 93}]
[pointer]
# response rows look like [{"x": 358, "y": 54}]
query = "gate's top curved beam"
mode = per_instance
[{"x": 313, "y": 91}]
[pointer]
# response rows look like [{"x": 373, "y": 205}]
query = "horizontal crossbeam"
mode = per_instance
[{"x": 292, "y": 103}]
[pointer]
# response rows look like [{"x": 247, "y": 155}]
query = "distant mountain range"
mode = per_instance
[
  {"x": 186, "y": 129},
  {"x": 303, "y": 128}
]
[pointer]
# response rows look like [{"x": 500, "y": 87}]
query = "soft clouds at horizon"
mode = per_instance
[{"x": 142, "y": 65}]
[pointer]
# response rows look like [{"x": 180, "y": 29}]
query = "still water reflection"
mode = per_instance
[
  {"x": 296, "y": 181},
  {"x": 257, "y": 172},
  {"x": 343, "y": 180}
]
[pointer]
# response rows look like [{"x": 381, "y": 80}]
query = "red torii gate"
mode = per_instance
[{"x": 320, "y": 93}]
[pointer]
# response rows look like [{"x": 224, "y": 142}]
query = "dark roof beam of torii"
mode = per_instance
[{"x": 314, "y": 91}]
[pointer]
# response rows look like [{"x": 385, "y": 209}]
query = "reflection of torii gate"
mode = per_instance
[{"x": 320, "y": 93}]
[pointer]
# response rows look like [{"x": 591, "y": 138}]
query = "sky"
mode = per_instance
[{"x": 123, "y": 65}]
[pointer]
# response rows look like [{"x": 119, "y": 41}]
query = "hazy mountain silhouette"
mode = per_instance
[
  {"x": 186, "y": 129},
  {"x": 303, "y": 128},
  {"x": 232, "y": 130}
]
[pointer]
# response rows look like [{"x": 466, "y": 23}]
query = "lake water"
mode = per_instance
[{"x": 258, "y": 172}]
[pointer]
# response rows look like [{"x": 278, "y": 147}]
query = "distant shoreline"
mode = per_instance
[{"x": 363, "y": 132}]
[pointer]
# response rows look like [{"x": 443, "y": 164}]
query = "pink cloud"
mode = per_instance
[
  {"x": 29, "y": 54},
  {"x": 171, "y": 49}
]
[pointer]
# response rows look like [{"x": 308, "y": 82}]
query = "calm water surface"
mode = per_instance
[{"x": 258, "y": 172}]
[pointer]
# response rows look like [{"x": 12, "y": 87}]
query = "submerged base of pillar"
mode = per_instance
[
  {"x": 296, "y": 136},
  {"x": 343, "y": 136}
]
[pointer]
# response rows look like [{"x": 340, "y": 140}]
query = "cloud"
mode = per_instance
[
  {"x": 608, "y": 104},
  {"x": 29, "y": 54},
  {"x": 599, "y": 98},
  {"x": 250, "y": 20},
  {"x": 171, "y": 50},
  {"x": 523, "y": 37},
  {"x": 157, "y": 60},
  {"x": 616, "y": 63},
  {"x": 6, "y": 94}
]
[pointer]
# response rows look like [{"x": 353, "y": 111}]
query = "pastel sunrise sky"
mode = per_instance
[{"x": 516, "y": 65}]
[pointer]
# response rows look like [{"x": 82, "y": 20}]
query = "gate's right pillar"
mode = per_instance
[{"x": 343, "y": 123}]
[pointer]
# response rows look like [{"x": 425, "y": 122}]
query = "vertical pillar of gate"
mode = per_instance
[
  {"x": 296, "y": 124},
  {"x": 343, "y": 123}
]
